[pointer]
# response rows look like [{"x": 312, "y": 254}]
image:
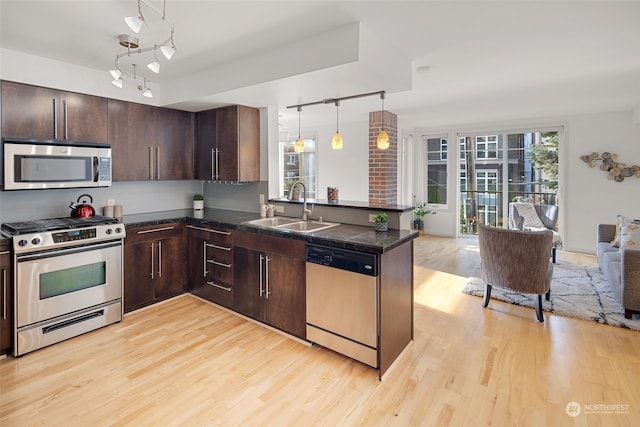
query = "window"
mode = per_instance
[
  {"x": 298, "y": 166},
  {"x": 436, "y": 168},
  {"x": 443, "y": 149},
  {"x": 487, "y": 147}
]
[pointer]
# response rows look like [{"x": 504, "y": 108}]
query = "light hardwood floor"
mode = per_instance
[{"x": 186, "y": 362}]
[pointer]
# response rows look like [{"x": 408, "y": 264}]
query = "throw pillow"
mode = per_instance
[
  {"x": 528, "y": 212},
  {"x": 621, "y": 221},
  {"x": 630, "y": 236}
]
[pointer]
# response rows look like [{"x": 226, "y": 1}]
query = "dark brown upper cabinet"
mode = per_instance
[
  {"x": 228, "y": 144},
  {"x": 34, "y": 112},
  {"x": 150, "y": 143}
]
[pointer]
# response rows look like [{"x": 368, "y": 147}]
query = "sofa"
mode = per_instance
[{"x": 621, "y": 267}]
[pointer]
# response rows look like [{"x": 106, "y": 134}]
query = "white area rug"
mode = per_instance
[{"x": 576, "y": 291}]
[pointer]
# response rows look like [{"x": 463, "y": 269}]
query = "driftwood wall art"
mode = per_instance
[{"x": 617, "y": 171}]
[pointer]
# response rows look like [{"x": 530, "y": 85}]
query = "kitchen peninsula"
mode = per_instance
[{"x": 225, "y": 251}]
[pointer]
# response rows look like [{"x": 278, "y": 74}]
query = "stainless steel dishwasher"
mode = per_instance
[{"x": 342, "y": 301}]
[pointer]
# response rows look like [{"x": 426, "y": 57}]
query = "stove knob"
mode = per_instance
[
  {"x": 35, "y": 240},
  {"x": 108, "y": 231},
  {"x": 118, "y": 230},
  {"x": 22, "y": 243}
]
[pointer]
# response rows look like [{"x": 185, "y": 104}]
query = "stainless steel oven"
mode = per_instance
[{"x": 66, "y": 282}]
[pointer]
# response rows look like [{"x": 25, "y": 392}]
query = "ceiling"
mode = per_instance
[{"x": 487, "y": 61}]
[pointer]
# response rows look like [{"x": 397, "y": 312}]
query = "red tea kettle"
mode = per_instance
[{"x": 84, "y": 210}]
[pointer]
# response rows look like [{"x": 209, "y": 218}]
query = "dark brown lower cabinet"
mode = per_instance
[
  {"x": 211, "y": 263},
  {"x": 269, "y": 279},
  {"x": 6, "y": 292},
  {"x": 154, "y": 267}
]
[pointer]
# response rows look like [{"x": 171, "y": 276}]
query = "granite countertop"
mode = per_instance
[{"x": 347, "y": 236}]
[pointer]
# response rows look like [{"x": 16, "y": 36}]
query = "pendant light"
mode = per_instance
[
  {"x": 336, "y": 142},
  {"x": 299, "y": 145},
  {"x": 383, "y": 137}
]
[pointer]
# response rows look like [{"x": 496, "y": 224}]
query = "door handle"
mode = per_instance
[
  {"x": 4, "y": 295},
  {"x": 204, "y": 259},
  {"x": 217, "y": 164},
  {"x": 160, "y": 258},
  {"x": 55, "y": 120},
  {"x": 151, "y": 163},
  {"x": 213, "y": 163},
  {"x": 266, "y": 269},
  {"x": 66, "y": 129},
  {"x": 261, "y": 275},
  {"x": 158, "y": 162},
  {"x": 152, "y": 263}
]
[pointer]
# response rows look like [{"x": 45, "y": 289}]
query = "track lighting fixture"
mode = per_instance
[
  {"x": 299, "y": 144},
  {"x": 168, "y": 49},
  {"x": 383, "y": 137},
  {"x": 336, "y": 142},
  {"x": 132, "y": 45},
  {"x": 155, "y": 65},
  {"x": 135, "y": 22}
]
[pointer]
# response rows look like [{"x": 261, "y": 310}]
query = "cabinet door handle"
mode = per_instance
[
  {"x": 55, "y": 120},
  {"x": 215, "y": 285},
  {"x": 222, "y": 248},
  {"x": 4, "y": 295},
  {"x": 204, "y": 259},
  {"x": 266, "y": 269},
  {"x": 213, "y": 163},
  {"x": 150, "y": 163},
  {"x": 158, "y": 162},
  {"x": 217, "y": 164},
  {"x": 64, "y": 109},
  {"x": 160, "y": 258},
  {"x": 152, "y": 264},
  {"x": 261, "y": 274}
]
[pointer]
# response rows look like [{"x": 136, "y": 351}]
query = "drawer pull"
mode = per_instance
[
  {"x": 155, "y": 230},
  {"x": 210, "y": 230},
  {"x": 221, "y": 264},
  {"x": 215, "y": 285},
  {"x": 222, "y": 248}
]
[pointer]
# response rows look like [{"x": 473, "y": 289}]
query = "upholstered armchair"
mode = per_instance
[
  {"x": 531, "y": 217},
  {"x": 516, "y": 260}
]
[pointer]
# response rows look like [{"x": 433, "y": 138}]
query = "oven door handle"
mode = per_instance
[{"x": 51, "y": 253}]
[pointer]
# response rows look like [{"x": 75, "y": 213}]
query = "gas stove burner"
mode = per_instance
[{"x": 52, "y": 224}]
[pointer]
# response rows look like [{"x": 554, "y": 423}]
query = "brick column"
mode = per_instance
[{"x": 383, "y": 164}]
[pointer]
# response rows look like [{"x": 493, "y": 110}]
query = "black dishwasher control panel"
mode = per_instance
[{"x": 343, "y": 259}]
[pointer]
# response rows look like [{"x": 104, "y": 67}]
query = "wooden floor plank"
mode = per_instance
[{"x": 187, "y": 362}]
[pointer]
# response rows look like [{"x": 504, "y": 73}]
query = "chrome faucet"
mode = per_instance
[{"x": 305, "y": 212}]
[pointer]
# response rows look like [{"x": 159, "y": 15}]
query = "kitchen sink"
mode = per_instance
[
  {"x": 293, "y": 225},
  {"x": 273, "y": 222},
  {"x": 306, "y": 226}
]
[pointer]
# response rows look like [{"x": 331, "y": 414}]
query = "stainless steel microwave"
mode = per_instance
[{"x": 30, "y": 165}]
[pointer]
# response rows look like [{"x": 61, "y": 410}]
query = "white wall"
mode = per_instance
[
  {"x": 588, "y": 197},
  {"x": 347, "y": 169}
]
